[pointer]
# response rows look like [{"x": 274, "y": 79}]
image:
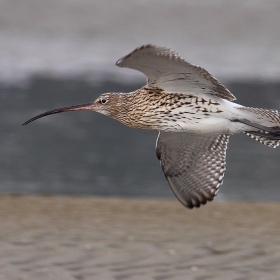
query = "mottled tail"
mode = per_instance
[{"x": 267, "y": 123}]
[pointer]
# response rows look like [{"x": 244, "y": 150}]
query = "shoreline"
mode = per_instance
[{"x": 57, "y": 237}]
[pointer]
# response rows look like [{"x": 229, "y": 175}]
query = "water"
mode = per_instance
[{"x": 87, "y": 153}]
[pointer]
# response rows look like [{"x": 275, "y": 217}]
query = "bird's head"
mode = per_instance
[{"x": 106, "y": 104}]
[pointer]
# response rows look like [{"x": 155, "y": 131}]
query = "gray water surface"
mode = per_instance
[{"x": 87, "y": 153}]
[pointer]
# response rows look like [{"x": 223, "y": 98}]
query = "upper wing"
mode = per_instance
[
  {"x": 167, "y": 70},
  {"x": 193, "y": 164}
]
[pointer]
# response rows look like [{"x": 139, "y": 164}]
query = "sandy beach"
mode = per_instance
[{"x": 44, "y": 237}]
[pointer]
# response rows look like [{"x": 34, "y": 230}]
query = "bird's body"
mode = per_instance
[
  {"x": 155, "y": 109},
  {"x": 194, "y": 115}
]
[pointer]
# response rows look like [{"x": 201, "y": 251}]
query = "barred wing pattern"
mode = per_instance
[
  {"x": 193, "y": 164},
  {"x": 165, "y": 69}
]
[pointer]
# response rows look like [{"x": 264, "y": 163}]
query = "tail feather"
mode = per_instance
[
  {"x": 265, "y": 118},
  {"x": 262, "y": 139},
  {"x": 268, "y": 115}
]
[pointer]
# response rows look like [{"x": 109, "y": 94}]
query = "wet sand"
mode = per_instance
[{"x": 97, "y": 238}]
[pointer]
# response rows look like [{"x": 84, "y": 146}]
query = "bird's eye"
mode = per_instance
[{"x": 103, "y": 101}]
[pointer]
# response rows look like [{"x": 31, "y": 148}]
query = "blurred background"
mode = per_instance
[{"x": 55, "y": 53}]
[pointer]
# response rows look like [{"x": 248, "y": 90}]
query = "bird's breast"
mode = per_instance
[{"x": 176, "y": 112}]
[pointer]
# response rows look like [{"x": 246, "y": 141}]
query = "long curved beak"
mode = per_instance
[{"x": 88, "y": 106}]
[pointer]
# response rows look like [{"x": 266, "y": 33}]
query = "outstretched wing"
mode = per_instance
[
  {"x": 167, "y": 70},
  {"x": 193, "y": 164}
]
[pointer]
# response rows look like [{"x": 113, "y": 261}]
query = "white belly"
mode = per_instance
[
  {"x": 208, "y": 126},
  {"x": 206, "y": 119}
]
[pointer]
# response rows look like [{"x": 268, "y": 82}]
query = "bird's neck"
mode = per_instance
[{"x": 140, "y": 108}]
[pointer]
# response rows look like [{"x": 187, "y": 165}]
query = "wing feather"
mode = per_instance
[
  {"x": 193, "y": 164},
  {"x": 165, "y": 69}
]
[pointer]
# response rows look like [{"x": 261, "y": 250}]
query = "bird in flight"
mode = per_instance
[{"x": 194, "y": 115}]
